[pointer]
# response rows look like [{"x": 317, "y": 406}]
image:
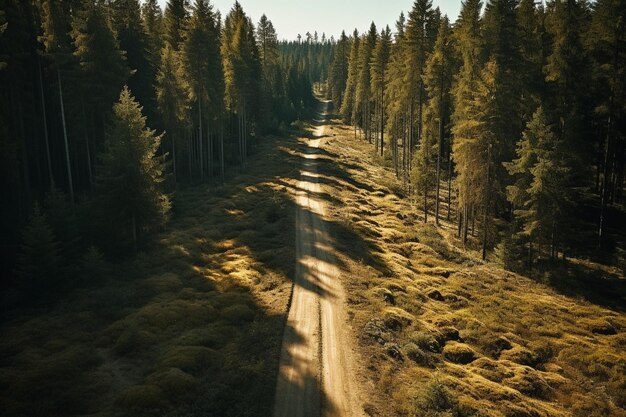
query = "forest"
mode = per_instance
[
  {"x": 201, "y": 218},
  {"x": 515, "y": 114},
  {"x": 109, "y": 106}
]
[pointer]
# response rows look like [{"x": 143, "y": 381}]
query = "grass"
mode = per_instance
[
  {"x": 500, "y": 344},
  {"x": 192, "y": 326}
]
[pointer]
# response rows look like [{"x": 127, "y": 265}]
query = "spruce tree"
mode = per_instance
[
  {"x": 568, "y": 77},
  {"x": 103, "y": 64},
  {"x": 134, "y": 41},
  {"x": 152, "y": 20},
  {"x": 267, "y": 42},
  {"x": 129, "y": 196},
  {"x": 174, "y": 22},
  {"x": 338, "y": 73},
  {"x": 539, "y": 193},
  {"x": 39, "y": 261}
]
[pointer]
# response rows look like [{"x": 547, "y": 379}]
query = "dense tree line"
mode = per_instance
[
  {"x": 514, "y": 112},
  {"x": 107, "y": 106}
]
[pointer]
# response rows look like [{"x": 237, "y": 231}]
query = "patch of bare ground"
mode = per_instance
[{"x": 443, "y": 333}]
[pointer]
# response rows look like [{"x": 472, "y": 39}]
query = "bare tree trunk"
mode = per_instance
[
  {"x": 222, "y": 149},
  {"x": 485, "y": 230},
  {"x": 200, "y": 139},
  {"x": 67, "y": 147},
  {"x": 449, "y": 185},
  {"x": 173, "y": 140},
  {"x": 466, "y": 223},
  {"x": 87, "y": 145},
  {"x": 45, "y": 124},
  {"x": 425, "y": 206}
]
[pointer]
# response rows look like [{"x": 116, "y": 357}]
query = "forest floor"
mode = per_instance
[
  {"x": 190, "y": 326},
  {"x": 440, "y": 331},
  {"x": 193, "y": 325}
]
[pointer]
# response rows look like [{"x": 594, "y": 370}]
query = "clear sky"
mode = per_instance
[{"x": 291, "y": 17}]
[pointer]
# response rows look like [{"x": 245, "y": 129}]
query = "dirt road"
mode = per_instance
[{"x": 315, "y": 377}]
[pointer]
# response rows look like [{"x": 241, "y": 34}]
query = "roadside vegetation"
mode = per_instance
[{"x": 443, "y": 333}]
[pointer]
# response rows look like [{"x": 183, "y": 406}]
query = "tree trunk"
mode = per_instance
[
  {"x": 449, "y": 185},
  {"x": 222, "y": 150},
  {"x": 200, "y": 139},
  {"x": 67, "y": 147},
  {"x": 425, "y": 206},
  {"x": 45, "y": 125}
]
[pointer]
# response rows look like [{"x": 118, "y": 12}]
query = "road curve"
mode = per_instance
[{"x": 315, "y": 372}]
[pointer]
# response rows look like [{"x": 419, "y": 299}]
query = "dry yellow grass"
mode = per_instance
[{"x": 502, "y": 344}]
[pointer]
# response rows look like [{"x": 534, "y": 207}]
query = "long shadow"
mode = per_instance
[{"x": 593, "y": 285}]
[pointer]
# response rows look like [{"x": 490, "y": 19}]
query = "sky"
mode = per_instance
[{"x": 291, "y": 17}]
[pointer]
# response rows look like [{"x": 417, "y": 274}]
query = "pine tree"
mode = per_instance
[
  {"x": 129, "y": 195},
  {"x": 242, "y": 72},
  {"x": 418, "y": 45},
  {"x": 378, "y": 82},
  {"x": 172, "y": 104},
  {"x": 475, "y": 146},
  {"x": 394, "y": 99},
  {"x": 57, "y": 46},
  {"x": 361, "y": 112},
  {"x": 606, "y": 41},
  {"x": 438, "y": 81},
  {"x": 468, "y": 43},
  {"x": 201, "y": 60},
  {"x": 348, "y": 103}
]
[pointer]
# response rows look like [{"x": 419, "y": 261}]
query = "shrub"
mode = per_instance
[
  {"x": 435, "y": 400},
  {"x": 426, "y": 341},
  {"x": 192, "y": 359},
  {"x": 238, "y": 314},
  {"x": 133, "y": 341},
  {"x": 459, "y": 353},
  {"x": 417, "y": 355},
  {"x": 176, "y": 384}
]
